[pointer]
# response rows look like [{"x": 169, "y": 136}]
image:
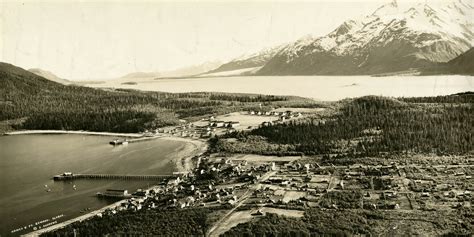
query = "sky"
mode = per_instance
[{"x": 83, "y": 40}]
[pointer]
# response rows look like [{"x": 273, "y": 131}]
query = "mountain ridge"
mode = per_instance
[
  {"x": 49, "y": 75},
  {"x": 391, "y": 39},
  {"x": 397, "y": 36},
  {"x": 461, "y": 65},
  {"x": 252, "y": 60},
  {"x": 179, "y": 72}
]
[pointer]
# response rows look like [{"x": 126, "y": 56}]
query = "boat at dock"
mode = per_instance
[
  {"x": 114, "y": 193},
  {"x": 118, "y": 142},
  {"x": 64, "y": 176}
]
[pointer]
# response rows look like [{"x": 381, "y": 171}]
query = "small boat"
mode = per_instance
[
  {"x": 74, "y": 187},
  {"x": 115, "y": 142},
  {"x": 118, "y": 142},
  {"x": 49, "y": 190}
]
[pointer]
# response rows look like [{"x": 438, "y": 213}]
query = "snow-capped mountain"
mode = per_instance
[
  {"x": 395, "y": 37},
  {"x": 250, "y": 61}
]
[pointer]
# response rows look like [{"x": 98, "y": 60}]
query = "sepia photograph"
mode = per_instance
[{"x": 236, "y": 118}]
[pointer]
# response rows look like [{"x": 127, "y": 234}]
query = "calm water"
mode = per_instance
[
  {"x": 28, "y": 162},
  {"x": 318, "y": 87}
]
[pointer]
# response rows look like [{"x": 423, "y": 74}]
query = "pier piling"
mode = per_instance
[{"x": 111, "y": 176}]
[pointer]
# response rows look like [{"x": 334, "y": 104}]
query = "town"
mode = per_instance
[
  {"x": 341, "y": 168},
  {"x": 250, "y": 186}
]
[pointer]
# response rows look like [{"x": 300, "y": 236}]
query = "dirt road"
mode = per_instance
[{"x": 217, "y": 228}]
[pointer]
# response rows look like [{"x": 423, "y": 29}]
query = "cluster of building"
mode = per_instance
[
  {"x": 282, "y": 116},
  {"x": 193, "y": 131},
  {"x": 214, "y": 126},
  {"x": 224, "y": 124},
  {"x": 383, "y": 187},
  {"x": 220, "y": 183},
  {"x": 183, "y": 130},
  {"x": 301, "y": 182}
]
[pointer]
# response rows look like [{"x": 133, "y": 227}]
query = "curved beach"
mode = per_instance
[
  {"x": 193, "y": 147},
  {"x": 182, "y": 158},
  {"x": 25, "y": 132}
]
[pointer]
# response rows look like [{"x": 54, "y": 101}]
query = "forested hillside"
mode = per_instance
[
  {"x": 28, "y": 101},
  {"x": 148, "y": 222},
  {"x": 368, "y": 126},
  {"x": 346, "y": 222}
]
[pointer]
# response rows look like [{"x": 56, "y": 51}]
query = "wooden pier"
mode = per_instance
[
  {"x": 70, "y": 176},
  {"x": 131, "y": 140}
]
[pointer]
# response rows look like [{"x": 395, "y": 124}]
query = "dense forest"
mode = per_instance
[
  {"x": 371, "y": 125},
  {"x": 316, "y": 222},
  {"x": 174, "y": 222},
  {"x": 352, "y": 222},
  {"x": 28, "y": 101}
]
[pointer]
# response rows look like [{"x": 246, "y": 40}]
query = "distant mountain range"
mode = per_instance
[
  {"x": 429, "y": 38},
  {"x": 50, "y": 76},
  {"x": 416, "y": 36},
  {"x": 180, "y": 72}
]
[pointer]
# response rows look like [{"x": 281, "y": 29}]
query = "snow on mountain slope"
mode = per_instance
[
  {"x": 394, "y": 37},
  {"x": 238, "y": 72},
  {"x": 252, "y": 60}
]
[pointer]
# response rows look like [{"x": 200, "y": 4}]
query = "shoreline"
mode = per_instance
[
  {"x": 26, "y": 132},
  {"x": 182, "y": 159}
]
